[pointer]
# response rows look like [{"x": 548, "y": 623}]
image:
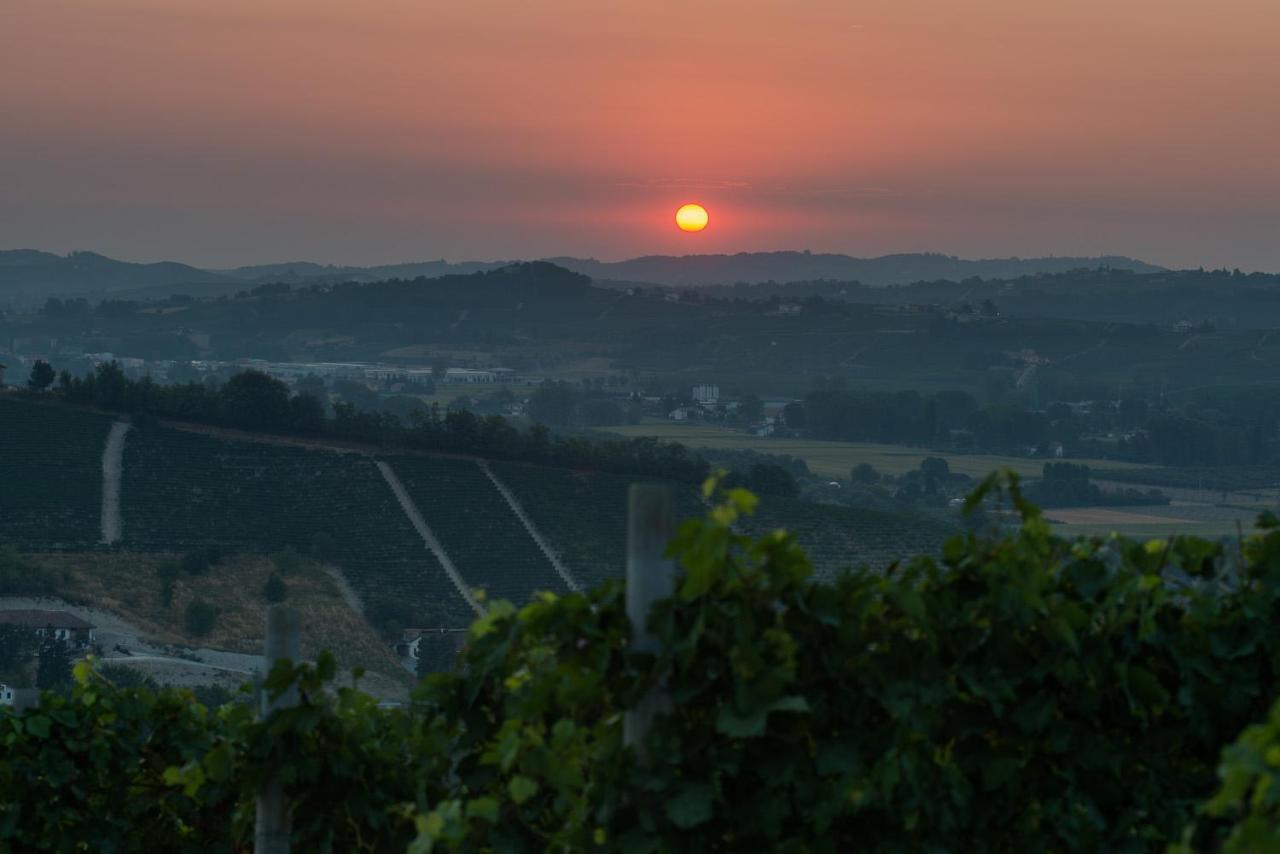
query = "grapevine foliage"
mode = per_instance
[{"x": 1019, "y": 692}]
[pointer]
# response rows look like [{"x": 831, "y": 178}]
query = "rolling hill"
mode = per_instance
[{"x": 33, "y": 274}]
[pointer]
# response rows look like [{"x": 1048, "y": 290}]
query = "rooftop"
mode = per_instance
[{"x": 43, "y": 619}]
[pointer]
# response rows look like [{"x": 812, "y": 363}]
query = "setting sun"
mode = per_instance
[{"x": 691, "y": 218}]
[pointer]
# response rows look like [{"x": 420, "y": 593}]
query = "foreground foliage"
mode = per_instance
[{"x": 1019, "y": 693}]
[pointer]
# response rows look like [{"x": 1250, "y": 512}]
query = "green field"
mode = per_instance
[{"x": 836, "y": 459}]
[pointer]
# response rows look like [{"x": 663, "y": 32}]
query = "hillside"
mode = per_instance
[
  {"x": 32, "y": 273},
  {"x": 800, "y": 266},
  {"x": 421, "y": 529},
  {"x": 26, "y": 272}
]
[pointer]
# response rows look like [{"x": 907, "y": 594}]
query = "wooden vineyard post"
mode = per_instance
[
  {"x": 650, "y": 577},
  {"x": 271, "y": 829}
]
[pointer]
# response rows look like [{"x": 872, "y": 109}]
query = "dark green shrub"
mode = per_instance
[
  {"x": 199, "y": 618},
  {"x": 196, "y": 562},
  {"x": 275, "y": 589},
  {"x": 20, "y": 577},
  {"x": 389, "y": 616},
  {"x": 167, "y": 573},
  {"x": 287, "y": 561}
]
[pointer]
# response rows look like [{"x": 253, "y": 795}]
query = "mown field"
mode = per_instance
[
  {"x": 836, "y": 459},
  {"x": 128, "y": 585}
]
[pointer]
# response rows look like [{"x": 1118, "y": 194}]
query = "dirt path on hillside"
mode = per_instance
[
  {"x": 112, "y": 471},
  {"x": 529, "y": 527},
  {"x": 428, "y": 537}
]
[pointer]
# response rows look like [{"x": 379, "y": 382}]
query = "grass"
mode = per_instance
[
  {"x": 126, "y": 584},
  {"x": 836, "y": 459},
  {"x": 1207, "y": 530}
]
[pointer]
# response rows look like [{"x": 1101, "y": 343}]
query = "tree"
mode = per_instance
[
  {"x": 17, "y": 645},
  {"x": 53, "y": 669},
  {"x": 554, "y": 403},
  {"x": 864, "y": 473},
  {"x": 389, "y": 616},
  {"x": 935, "y": 472},
  {"x": 275, "y": 590},
  {"x": 287, "y": 561},
  {"x": 167, "y": 572},
  {"x": 935, "y": 467},
  {"x": 42, "y": 376},
  {"x": 199, "y": 618},
  {"x": 255, "y": 401},
  {"x": 313, "y": 384},
  {"x": 750, "y": 409}
]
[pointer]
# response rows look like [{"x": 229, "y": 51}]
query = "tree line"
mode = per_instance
[
  {"x": 252, "y": 400},
  {"x": 1212, "y": 427}
]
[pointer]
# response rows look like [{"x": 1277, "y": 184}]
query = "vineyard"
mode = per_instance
[
  {"x": 50, "y": 475},
  {"x": 477, "y": 528},
  {"x": 182, "y": 490},
  {"x": 1019, "y": 692},
  {"x": 583, "y": 513}
]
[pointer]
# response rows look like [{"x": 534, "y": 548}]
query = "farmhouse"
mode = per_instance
[
  {"x": 66, "y": 627},
  {"x": 431, "y": 644}
]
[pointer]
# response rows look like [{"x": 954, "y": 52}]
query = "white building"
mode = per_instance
[
  {"x": 469, "y": 375},
  {"x": 706, "y": 393},
  {"x": 6, "y": 695}
]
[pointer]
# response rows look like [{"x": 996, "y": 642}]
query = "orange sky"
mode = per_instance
[{"x": 230, "y": 131}]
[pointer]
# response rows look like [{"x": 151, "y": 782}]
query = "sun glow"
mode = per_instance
[{"x": 691, "y": 218}]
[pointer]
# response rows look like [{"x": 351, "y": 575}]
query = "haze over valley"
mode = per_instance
[{"x": 642, "y": 427}]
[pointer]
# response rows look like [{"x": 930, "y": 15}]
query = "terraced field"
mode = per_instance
[{"x": 50, "y": 475}]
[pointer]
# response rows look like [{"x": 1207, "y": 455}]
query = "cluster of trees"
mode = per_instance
[
  {"x": 29, "y": 659},
  {"x": 1214, "y": 427},
  {"x": 912, "y": 417},
  {"x": 562, "y": 404},
  {"x": 1068, "y": 485},
  {"x": 252, "y": 400}
]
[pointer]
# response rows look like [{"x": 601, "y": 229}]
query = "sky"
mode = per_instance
[{"x": 225, "y": 132}]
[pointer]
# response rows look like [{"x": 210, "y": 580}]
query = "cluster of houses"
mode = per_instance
[{"x": 76, "y": 633}]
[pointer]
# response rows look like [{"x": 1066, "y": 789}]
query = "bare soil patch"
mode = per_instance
[{"x": 1107, "y": 516}]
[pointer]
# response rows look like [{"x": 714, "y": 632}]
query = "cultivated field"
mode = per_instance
[{"x": 836, "y": 459}]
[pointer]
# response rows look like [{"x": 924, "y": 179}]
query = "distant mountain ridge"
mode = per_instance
[
  {"x": 756, "y": 267},
  {"x": 28, "y": 272},
  {"x": 307, "y": 271},
  {"x": 31, "y": 274}
]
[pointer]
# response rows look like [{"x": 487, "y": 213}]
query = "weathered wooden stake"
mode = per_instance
[
  {"x": 284, "y": 636},
  {"x": 650, "y": 577}
]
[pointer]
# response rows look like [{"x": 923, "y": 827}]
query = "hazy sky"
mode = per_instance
[{"x": 236, "y": 131}]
